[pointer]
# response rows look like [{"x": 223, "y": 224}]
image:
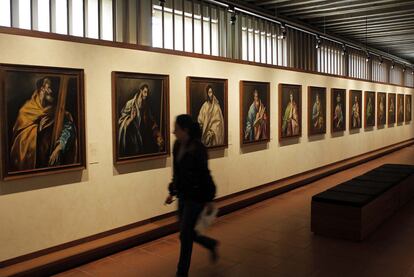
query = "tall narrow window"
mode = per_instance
[
  {"x": 43, "y": 16},
  {"x": 106, "y": 20},
  {"x": 5, "y": 19},
  {"x": 206, "y": 30},
  {"x": 92, "y": 26},
  {"x": 76, "y": 17},
  {"x": 24, "y": 20},
  {"x": 60, "y": 17}
]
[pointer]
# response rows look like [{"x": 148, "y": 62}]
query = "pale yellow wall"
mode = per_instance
[{"x": 45, "y": 211}]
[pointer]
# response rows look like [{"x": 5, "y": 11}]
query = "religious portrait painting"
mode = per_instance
[
  {"x": 381, "y": 108},
  {"x": 369, "y": 109},
  {"x": 355, "y": 109},
  {"x": 207, "y": 104},
  {"x": 316, "y": 110},
  {"x": 43, "y": 126},
  {"x": 391, "y": 108},
  {"x": 140, "y": 110},
  {"x": 254, "y": 112},
  {"x": 408, "y": 108},
  {"x": 290, "y": 111},
  {"x": 338, "y": 110},
  {"x": 400, "y": 108}
]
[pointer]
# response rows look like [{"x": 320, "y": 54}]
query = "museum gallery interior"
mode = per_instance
[{"x": 305, "y": 113}]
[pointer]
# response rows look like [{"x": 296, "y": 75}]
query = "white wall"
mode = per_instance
[{"x": 46, "y": 211}]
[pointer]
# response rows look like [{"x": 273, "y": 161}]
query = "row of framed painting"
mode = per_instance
[{"x": 43, "y": 126}]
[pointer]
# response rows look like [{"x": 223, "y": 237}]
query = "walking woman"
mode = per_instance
[{"x": 193, "y": 185}]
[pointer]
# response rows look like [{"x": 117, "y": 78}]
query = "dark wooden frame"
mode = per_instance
[
  {"x": 191, "y": 79},
  {"x": 350, "y": 96},
  {"x": 81, "y": 165},
  {"x": 399, "y": 98},
  {"x": 280, "y": 88},
  {"x": 242, "y": 118},
  {"x": 408, "y": 119},
  {"x": 366, "y": 124},
  {"x": 166, "y": 103},
  {"x": 334, "y": 91},
  {"x": 394, "y": 96},
  {"x": 379, "y": 124},
  {"x": 310, "y": 91}
]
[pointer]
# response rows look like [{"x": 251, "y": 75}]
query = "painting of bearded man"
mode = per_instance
[
  {"x": 207, "y": 104},
  {"x": 254, "y": 112},
  {"x": 44, "y": 128},
  {"x": 290, "y": 109},
  {"x": 141, "y": 116}
]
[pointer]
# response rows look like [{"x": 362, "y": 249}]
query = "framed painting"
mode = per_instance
[
  {"x": 338, "y": 110},
  {"x": 140, "y": 116},
  {"x": 207, "y": 104},
  {"x": 42, "y": 120},
  {"x": 316, "y": 110},
  {"x": 400, "y": 108},
  {"x": 355, "y": 109},
  {"x": 381, "y": 108},
  {"x": 290, "y": 111},
  {"x": 369, "y": 109},
  {"x": 391, "y": 108},
  {"x": 254, "y": 112},
  {"x": 408, "y": 110}
]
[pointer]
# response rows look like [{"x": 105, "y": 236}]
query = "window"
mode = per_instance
[
  {"x": 379, "y": 70},
  {"x": 42, "y": 22},
  {"x": 263, "y": 42},
  {"x": 106, "y": 20},
  {"x": 60, "y": 20},
  {"x": 409, "y": 78},
  {"x": 204, "y": 38},
  {"x": 76, "y": 18},
  {"x": 92, "y": 26},
  {"x": 396, "y": 75},
  {"x": 358, "y": 65},
  {"x": 5, "y": 16},
  {"x": 23, "y": 19}
]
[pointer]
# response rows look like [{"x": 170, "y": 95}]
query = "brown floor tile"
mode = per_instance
[{"x": 273, "y": 238}]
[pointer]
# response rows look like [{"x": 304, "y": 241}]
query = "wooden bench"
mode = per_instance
[{"x": 354, "y": 209}]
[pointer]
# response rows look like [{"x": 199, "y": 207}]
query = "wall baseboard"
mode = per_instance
[{"x": 69, "y": 255}]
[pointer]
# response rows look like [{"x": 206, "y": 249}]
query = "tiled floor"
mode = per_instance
[{"x": 273, "y": 238}]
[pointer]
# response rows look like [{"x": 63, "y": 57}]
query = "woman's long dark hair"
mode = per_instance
[{"x": 187, "y": 123}]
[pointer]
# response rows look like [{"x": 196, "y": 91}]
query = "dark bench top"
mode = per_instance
[
  {"x": 343, "y": 198},
  {"x": 365, "y": 188}
]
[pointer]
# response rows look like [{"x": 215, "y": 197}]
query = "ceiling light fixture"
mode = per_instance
[
  {"x": 367, "y": 57},
  {"x": 343, "y": 49},
  {"x": 283, "y": 34},
  {"x": 318, "y": 42},
  {"x": 233, "y": 17}
]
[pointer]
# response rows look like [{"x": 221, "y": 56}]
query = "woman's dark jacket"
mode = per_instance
[{"x": 191, "y": 176}]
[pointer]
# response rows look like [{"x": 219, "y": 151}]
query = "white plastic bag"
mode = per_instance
[{"x": 205, "y": 219}]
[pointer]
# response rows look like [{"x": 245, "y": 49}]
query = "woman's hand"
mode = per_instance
[{"x": 169, "y": 200}]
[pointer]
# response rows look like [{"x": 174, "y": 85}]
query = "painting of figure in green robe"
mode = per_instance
[
  {"x": 391, "y": 108},
  {"x": 381, "y": 108},
  {"x": 290, "y": 109},
  {"x": 408, "y": 104},
  {"x": 400, "y": 108},
  {"x": 355, "y": 109},
  {"x": 338, "y": 110},
  {"x": 369, "y": 118},
  {"x": 316, "y": 110}
]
